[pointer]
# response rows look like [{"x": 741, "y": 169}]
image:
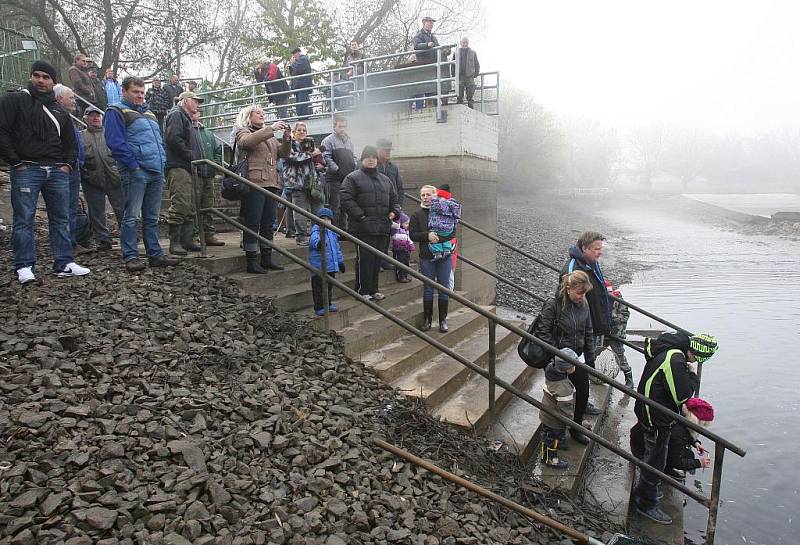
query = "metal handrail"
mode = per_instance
[{"x": 712, "y": 503}]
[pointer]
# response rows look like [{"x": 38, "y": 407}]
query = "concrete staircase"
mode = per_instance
[{"x": 449, "y": 390}]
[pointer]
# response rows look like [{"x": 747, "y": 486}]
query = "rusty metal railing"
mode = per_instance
[{"x": 720, "y": 442}]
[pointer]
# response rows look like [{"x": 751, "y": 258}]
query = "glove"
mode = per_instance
[
  {"x": 692, "y": 367},
  {"x": 341, "y": 266}
]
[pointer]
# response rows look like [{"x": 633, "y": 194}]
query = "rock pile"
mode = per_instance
[{"x": 169, "y": 408}]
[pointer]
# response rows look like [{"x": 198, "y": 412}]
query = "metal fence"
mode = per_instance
[
  {"x": 720, "y": 444},
  {"x": 386, "y": 81},
  {"x": 17, "y": 51}
]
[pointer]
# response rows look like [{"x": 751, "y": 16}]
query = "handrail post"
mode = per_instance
[
  {"x": 482, "y": 84},
  {"x": 198, "y": 217},
  {"x": 497, "y": 98},
  {"x": 439, "y": 86},
  {"x": 333, "y": 100},
  {"x": 366, "y": 73},
  {"x": 713, "y": 505},
  {"x": 253, "y": 93},
  {"x": 324, "y": 270},
  {"x": 457, "y": 82},
  {"x": 492, "y": 365}
]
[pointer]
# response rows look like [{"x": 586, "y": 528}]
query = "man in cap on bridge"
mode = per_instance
[
  {"x": 425, "y": 42},
  {"x": 669, "y": 378}
]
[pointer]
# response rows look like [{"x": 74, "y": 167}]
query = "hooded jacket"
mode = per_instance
[
  {"x": 19, "y": 140},
  {"x": 333, "y": 251},
  {"x": 368, "y": 197},
  {"x": 599, "y": 303},
  {"x": 666, "y": 379}
]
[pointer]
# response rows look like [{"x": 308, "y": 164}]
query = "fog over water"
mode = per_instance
[{"x": 741, "y": 289}]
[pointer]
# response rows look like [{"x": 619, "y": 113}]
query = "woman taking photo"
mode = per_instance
[
  {"x": 566, "y": 323},
  {"x": 438, "y": 270},
  {"x": 258, "y": 144}
]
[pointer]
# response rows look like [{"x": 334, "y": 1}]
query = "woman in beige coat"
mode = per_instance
[{"x": 257, "y": 142}]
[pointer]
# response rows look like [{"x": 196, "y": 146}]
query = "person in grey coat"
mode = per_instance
[
  {"x": 99, "y": 179},
  {"x": 340, "y": 160},
  {"x": 468, "y": 70},
  {"x": 425, "y": 42}
]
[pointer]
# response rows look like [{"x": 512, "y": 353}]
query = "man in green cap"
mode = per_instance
[{"x": 669, "y": 378}]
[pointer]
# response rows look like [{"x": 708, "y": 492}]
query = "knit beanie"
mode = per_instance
[
  {"x": 325, "y": 213},
  {"x": 558, "y": 368},
  {"x": 403, "y": 217},
  {"x": 369, "y": 151},
  {"x": 701, "y": 408},
  {"x": 46, "y": 67}
]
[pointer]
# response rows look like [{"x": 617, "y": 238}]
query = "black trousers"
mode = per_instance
[
  {"x": 404, "y": 258},
  {"x": 258, "y": 212},
  {"x": 368, "y": 264},
  {"x": 316, "y": 291},
  {"x": 580, "y": 379}
]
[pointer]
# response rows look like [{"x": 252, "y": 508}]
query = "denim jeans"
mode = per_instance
[
  {"x": 141, "y": 191},
  {"x": 302, "y": 110},
  {"x": 656, "y": 446},
  {"x": 438, "y": 271},
  {"x": 26, "y": 185},
  {"x": 74, "y": 196}
]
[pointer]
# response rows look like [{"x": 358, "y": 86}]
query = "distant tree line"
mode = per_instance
[{"x": 540, "y": 151}]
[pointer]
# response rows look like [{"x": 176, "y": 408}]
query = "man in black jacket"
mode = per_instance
[
  {"x": 670, "y": 378},
  {"x": 425, "y": 42},
  {"x": 300, "y": 69},
  {"x": 37, "y": 140},
  {"x": 183, "y": 147},
  {"x": 390, "y": 170},
  {"x": 370, "y": 201},
  {"x": 159, "y": 99}
]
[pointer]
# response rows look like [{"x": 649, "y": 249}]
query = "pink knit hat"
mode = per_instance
[{"x": 701, "y": 408}]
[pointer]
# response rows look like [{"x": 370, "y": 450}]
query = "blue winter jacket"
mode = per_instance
[
  {"x": 113, "y": 90},
  {"x": 332, "y": 249},
  {"x": 134, "y": 137},
  {"x": 300, "y": 70}
]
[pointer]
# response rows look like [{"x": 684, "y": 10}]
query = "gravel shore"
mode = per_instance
[
  {"x": 170, "y": 408},
  {"x": 547, "y": 229}
]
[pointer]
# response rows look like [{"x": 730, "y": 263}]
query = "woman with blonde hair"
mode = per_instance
[
  {"x": 256, "y": 141},
  {"x": 566, "y": 323}
]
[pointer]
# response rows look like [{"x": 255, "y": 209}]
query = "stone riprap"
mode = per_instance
[{"x": 170, "y": 408}]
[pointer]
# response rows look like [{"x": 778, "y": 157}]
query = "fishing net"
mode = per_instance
[
  {"x": 620, "y": 539},
  {"x": 606, "y": 363}
]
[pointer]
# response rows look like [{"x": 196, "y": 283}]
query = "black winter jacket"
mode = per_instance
[
  {"x": 418, "y": 232},
  {"x": 391, "y": 171},
  {"x": 658, "y": 386},
  {"x": 158, "y": 100},
  {"x": 573, "y": 327},
  {"x": 181, "y": 140},
  {"x": 368, "y": 197},
  {"x": 599, "y": 303},
  {"x": 19, "y": 142},
  {"x": 679, "y": 454}
]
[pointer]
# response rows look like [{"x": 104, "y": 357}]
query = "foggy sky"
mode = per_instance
[{"x": 720, "y": 66}]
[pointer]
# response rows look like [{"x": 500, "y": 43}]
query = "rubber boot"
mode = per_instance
[
  {"x": 266, "y": 260},
  {"x": 628, "y": 378},
  {"x": 253, "y": 265},
  {"x": 187, "y": 236},
  {"x": 443, "y": 304},
  {"x": 427, "y": 313},
  {"x": 175, "y": 240},
  {"x": 549, "y": 451}
]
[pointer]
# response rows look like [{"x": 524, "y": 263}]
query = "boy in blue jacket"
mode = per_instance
[{"x": 334, "y": 261}]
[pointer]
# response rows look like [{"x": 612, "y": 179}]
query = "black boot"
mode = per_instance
[
  {"x": 175, "y": 242},
  {"x": 266, "y": 260},
  {"x": 252, "y": 263},
  {"x": 427, "y": 314},
  {"x": 579, "y": 436},
  {"x": 187, "y": 236},
  {"x": 628, "y": 378},
  {"x": 443, "y": 304}
]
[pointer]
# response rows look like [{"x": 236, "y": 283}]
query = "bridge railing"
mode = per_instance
[{"x": 387, "y": 81}]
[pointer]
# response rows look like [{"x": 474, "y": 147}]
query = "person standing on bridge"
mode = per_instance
[
  {"x": 300, "y": 70},
  {"x": 669, "y": 378},
  {"x": 468, "y": 70},
  {"x": 425, "y": 43}
]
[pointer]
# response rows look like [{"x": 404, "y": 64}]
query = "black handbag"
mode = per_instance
[
  {"x": 234, "y": 189},
  {"x": 533, "y": 354}
]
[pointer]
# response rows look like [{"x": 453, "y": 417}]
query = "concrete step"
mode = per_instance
[
  {"x": 393, "y": 359},
  {"x": 672, "y": 503},
  {"x": 373, "y": 331},
  {"x": 469, "y": 406},
  {"x": 298, "y": 297},
  {"x": 293, "y": 275},
  {"x": 352, "y": 312},
  {"x": 442, "y": 376},
  {"x": 519, "y": 428}
]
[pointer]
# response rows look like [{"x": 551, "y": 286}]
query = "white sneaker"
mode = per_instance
[
  {"x": 73, "y": 269},
  {"x": 25, "y": 275}
]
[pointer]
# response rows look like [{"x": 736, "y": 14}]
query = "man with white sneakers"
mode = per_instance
[{"x": 38, "y": 142}]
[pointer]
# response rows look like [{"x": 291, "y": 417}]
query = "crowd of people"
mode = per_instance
[{"x": 583, "y": 318}]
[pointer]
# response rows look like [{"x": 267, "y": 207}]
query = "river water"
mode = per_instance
[{"x": 745, "y": 290}]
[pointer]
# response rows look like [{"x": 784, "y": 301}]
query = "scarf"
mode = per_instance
[{"x": 40, "y": 121}]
